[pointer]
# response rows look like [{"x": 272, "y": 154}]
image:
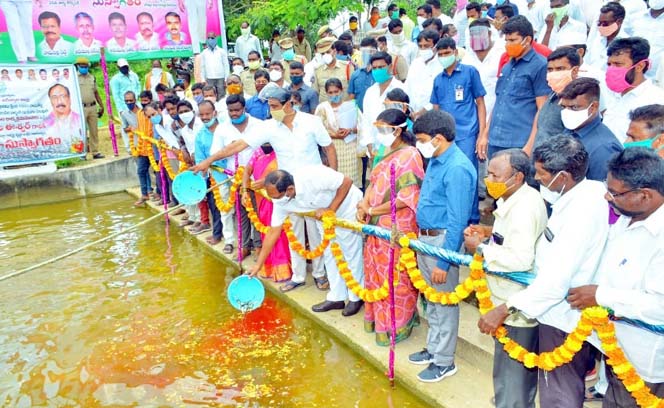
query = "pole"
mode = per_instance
[
  {"x": 390, "y": 276},
  {"x": 238, "y": 217},
  {"x": 111, "y": 126},
  {"x": 222, "y": 26}
]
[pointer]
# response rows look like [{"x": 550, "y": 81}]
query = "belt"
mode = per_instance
[
  {"x": 87, "y": 105},
  {"x": 431, "y": 232}
]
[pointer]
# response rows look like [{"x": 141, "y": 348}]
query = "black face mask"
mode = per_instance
[
  {"x": 124, "y": 70},
  {"x": 267, "y": 149}
]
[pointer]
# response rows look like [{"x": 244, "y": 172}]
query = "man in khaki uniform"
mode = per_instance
[
  {"x": 399, "y": 66},
  {"x": 300, "y": 44},
  {"x": 331, "y": 68},
  {"x": 288, "y": 54},
  {"x": 92, "y": 105},
  {"x": 247, "y": 76}
]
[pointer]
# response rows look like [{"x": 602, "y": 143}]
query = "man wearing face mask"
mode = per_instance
[
  {"x": 425, "y": 68},
  {"x": 92, "y": 105},
  {"x": 520, "y": 219},
  {"x": 214, "y": 64},
  {"x": 121, "y": 83},
  {"x": 256, "y": 105},
  {"x": 443, "y": 212},
  {"x": 628, "y": 63},
  {"x": 558, "y": 22},
  {"x": 157, "y": 76},
  {"x": 362, "y": 79},
  {"x": 521, "y": 91},
  {"x": 295, "y": 137},
  {"x": 626, "y": 281},
  {"x": 399, "y": 44},
  {"x": 331, "y": 68},
  {"x": 309, "y": 96},
  {"x": 247, "y": 76},
  {"x": 609, "y": 28},
  {"x": 562, "y": 68},
  {"x": 648, "y": 24},
  {"x": 354, "y": 30},
  {"x": 423, "y": 14},
  {"x": 289, "y": 55},
  {"x": 580, "y": 116},
  {"x": 247, "y": 42},
  {"x": 129, "y": 120},
  {"x": 566, "y": 256},
  {"x": 300, "y": 46},
  {"x": 646, "y": 128}
]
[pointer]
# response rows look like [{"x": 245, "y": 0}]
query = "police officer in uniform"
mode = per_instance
[{"x": 92, "y": 105}]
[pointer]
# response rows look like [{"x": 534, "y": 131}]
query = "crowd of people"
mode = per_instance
[{"x": 552, "y": 113}]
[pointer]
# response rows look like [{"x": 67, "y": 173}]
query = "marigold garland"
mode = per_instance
[
  {"x": 153, "y": 161},
  {"x": 132, "y": 148},
  {"x": 228, "y": 206},
  {"x": 167, "y": 164},
  {"x": 253, "y": 217},
  {"x": 328, "y": 234}
]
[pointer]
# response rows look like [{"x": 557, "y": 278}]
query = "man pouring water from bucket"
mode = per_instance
[{"x": 320, "y": 189}]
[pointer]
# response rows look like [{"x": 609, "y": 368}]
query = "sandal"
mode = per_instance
[
  {"x": 141, "y": 201},
  {"x": 322, "y": 283},
  {"x": 228, "y": 249},
  {"x": 290, "y": 285},
  {"x": 593, "y": 395}
]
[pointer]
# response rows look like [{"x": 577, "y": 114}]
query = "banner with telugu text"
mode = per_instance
[
  {"x": 57, "y": 31},
  {"x": 41, "y": 114}
]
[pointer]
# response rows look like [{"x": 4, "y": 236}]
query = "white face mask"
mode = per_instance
[
  {"x": 398, "y": 38},
  {"x": 275, "y": 75},
  {"x": 156, "y": 71},
  {"x": 572, "y": 120},
  {"x": 237, "y": 69},
  {"x": 327, "y": 59},
  {"x": 386, "y": 139},
  {"x": 551, "y": 196},
  {"x": 180, "y": 94},
  {"x": 427, "y": 149},
  {"x": 425, "y": 54},
  {"x": 245, "y": 31},
  {"x": 656, "y": 4},
  {"x": 187, "y": 117},
  {"x": 420, "y": 20},
  {"x": 281, "y": 201}
]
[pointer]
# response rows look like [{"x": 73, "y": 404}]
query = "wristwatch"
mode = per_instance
[{"x": 511, "y": 309}]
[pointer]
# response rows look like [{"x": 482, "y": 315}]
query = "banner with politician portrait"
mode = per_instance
[
  {"x": 58, "y": 31},
  {"x": 41, "y": 114}
]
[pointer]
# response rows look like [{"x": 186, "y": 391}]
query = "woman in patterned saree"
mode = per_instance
[
  {"x": 262, "y": 162},
  {"x": 375, "y": 209}
]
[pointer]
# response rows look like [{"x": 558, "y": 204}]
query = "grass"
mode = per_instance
[{"x": 64, "y": 163}]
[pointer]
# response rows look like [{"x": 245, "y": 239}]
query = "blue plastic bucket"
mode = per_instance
[
  {"x": 189, "y": 188},
  {"x": 245, "y": 293}
]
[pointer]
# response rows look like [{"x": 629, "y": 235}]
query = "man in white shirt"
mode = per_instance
[
  {"x": 628, "y": 279},
  {"x": 628, "y": 63},
  {"x": 375, "y": 96},
  {"x": 320, "y": 189},
  {"x": 648, "y": 24},
  {"x": 400, "y": 44},
  {"x": 566, "y": 256},
  {"x": 609, "y": 27},
  {"x": 437, "y": 13},
  {"x": 295, "y": 137},
  {"x": 86, "y": 43},
  {"x": 157, "y": 76},
  {"x": 146, "y": 39},
  {"x": 247, "y": 42},
  {"x": 214, "y": 64},
  {"x": 520, "y": 220},
  {"x": 425, "y": 68},
  {"x": 557, "y": 23},
  {"x": 53, "y": 45},
  {"x": 534, "y": 12},
  {"x": 119, "y": 43}
]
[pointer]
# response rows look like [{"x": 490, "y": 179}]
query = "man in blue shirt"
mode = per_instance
[
  {"x": 443, "y": 212},
  {"x": 520, "y": 92},
  {"x": 255, "y": 106},
  {"x": 361, "y": 79},
  {"x": 458, "y": 90},
  {"x": 580, "y": 116},
  {"x": 307, "y": 94}
]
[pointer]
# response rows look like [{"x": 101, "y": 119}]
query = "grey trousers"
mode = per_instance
[
  {"x": 220, "y": 84},
  {"x": 617, "y": 395},
  {"x": 514, "y": 385},
  {"x": 565, "y": 386},
  {"x": 443, "y": 320}
]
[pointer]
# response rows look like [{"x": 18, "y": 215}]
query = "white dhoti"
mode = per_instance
[
  {"x": 18, "y": 14},
  {"x": 298, "y": 263},
  {"x": 197, "y": 18}
]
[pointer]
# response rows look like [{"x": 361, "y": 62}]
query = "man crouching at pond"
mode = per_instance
[{"x": 320, "y": 189}]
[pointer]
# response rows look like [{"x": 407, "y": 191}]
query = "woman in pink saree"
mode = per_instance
[
  {"x": 262, "y": 162},
  {"x": 375, "y": 209}
]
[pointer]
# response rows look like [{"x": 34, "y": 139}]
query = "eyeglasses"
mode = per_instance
[{"x": 616, "y": 195}]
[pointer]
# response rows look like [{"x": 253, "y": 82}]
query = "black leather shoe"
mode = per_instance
[
  {"x": 352, "y": 308},
  {"x": 328, "y": 305}
]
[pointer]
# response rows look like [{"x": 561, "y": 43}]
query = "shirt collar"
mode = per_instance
[
  {"x": 529, "y": 55},
  {"x": 654, "y": 224},
  {"x": 640, "y": 89},
  {"x": 446, "y": 155},
  {"x": 504, "y": 206},
  {"x": 565, "y": 199}
]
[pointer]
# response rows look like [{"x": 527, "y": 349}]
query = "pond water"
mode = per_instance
[{"x": 142, "y": 320}]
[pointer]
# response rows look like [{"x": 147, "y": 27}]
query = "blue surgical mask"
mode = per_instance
[
  {"x": 156, "y": 119},
  {"x": 647, "y": 143},
  {"x": 447, "y": 61},
  {"x": 342, "y": 57},
  {"x": 131, "y": 106},
  {"x": 335, "y": 98},
  {"x": 288, "y": 55},
  {"x": 199, "y": 98},
  {"x": 83, "y": 70},
  {"x": 381, "y": 75},
  {"x": 211, "y": 43},
  {"x": 500, "y": 2},
  {"x": 179, "y": 81},
  {"x": 297, "y": 79},
  {"x": 210, "y": 123},
  {"x": 485, "y": 13},
  {"x": 239, "y": 120},
  {"x": 297, "y": 108}
]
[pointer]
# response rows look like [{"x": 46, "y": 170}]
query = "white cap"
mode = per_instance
[{"x": 122, "y": 63}]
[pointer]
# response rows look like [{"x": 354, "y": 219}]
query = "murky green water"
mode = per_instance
[{"x": 142, "y": 320}]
